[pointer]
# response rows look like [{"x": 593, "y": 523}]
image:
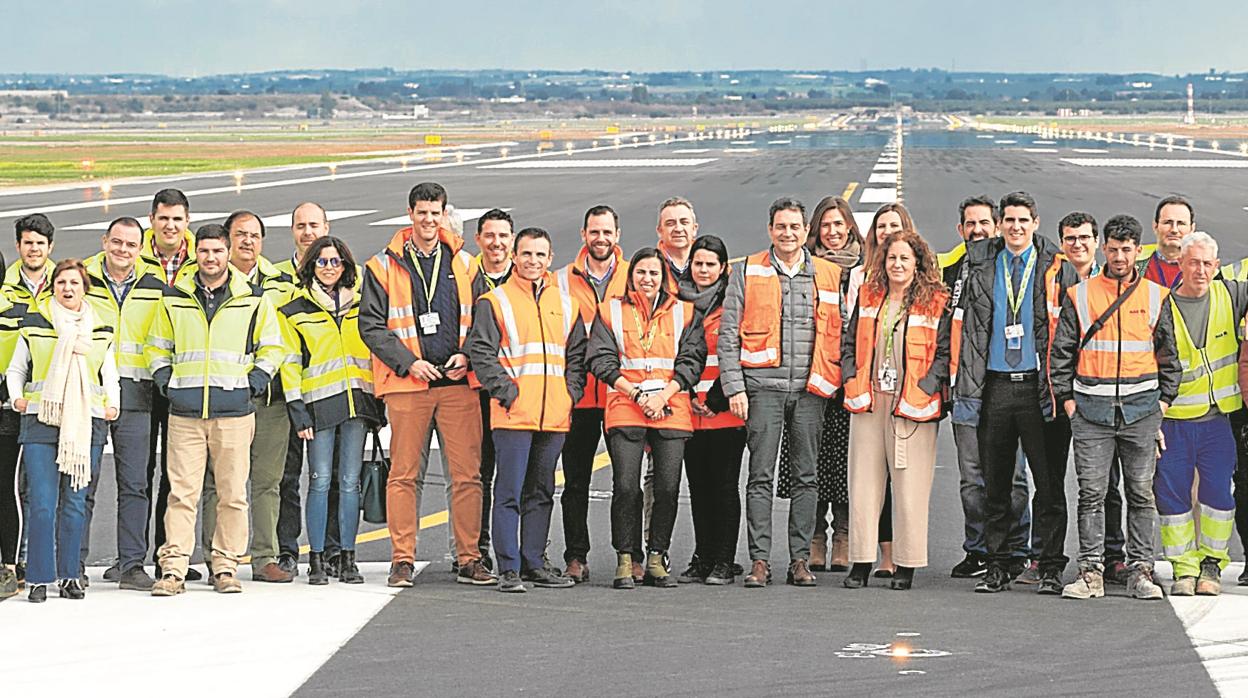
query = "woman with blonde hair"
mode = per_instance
[{"x": 895, "y": 362}]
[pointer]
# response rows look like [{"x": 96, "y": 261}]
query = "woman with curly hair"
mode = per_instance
[{"x": 895, "y": 362}]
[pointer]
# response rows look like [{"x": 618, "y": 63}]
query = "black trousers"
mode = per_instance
[
  {"x": 713, "y": 466},
  {"x": 290, "y": 509},
  {"x": 1239, "y": 427},
  {"x": 488, "y": 466},
  {"x": 627, "y": 447},
  {"x": 579, "y": 450},
  {"x": 1009, "y": 415},
  {"x": 10, "y": 500},
  {"x": 159, "y": 436}
]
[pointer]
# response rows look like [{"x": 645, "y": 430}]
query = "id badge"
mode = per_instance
[
  {"x": 1014, "y": 336},
  {"x": 428, "y": 323},
  {"x": 888, "y": 379}
]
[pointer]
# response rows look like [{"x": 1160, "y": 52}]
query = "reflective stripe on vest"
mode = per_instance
[
  {"x": 330, "y": 358},
  {"x": 1119, "y": 361},
  {"x": 650, "y": 369},
  {"x": 572, "y": 280},
  {"x": 710, "y": 372},
  {"x": 36, "y": 329},
  {"x": 1211, "y": 374}
]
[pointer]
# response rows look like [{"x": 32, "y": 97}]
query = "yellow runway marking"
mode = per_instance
[{"x": 849, "y": 190}]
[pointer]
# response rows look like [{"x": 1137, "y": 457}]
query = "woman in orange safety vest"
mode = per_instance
[
  {"x": 649, "y": 348},
  {"x": 895, "y": 367}
]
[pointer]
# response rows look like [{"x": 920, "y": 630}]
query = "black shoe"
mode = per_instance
[
  {"x": 402, "y": 575},
  {"x": 547, "y": 577},
  {"x": 112, "y": 574},
  {"x": 193, "y": 575},
  {"x": 486, "y": 561},
  {"x": 721, "y": 575},
  {"x": 317, "y": 575},
  {"x": 84, "y": 580},
  {"x": 903, "y": 579},
  {"x": 995, "y": 579},
  {"x": 737, "y": 570},
  {"x": 19, "y": 570},
  {"x": 1243, "y": 577},
  {"x": 510, "y": 582},
  {"x": 289, "y": 563},
  {"x": 1050, "y": 583},
  {"x": 696, "y": 572},
  {"x": 8, "y": 583},
  {"x": 38, "y": 593},
  {"x": 859, "y": 574},
  {"x": 348, "y": 571},
  {"x": 973, "y": 565},
  {"x": 136, "y": 579},
  {"x": 71, "y": 589},
  {"x": 332, "y": 563}
]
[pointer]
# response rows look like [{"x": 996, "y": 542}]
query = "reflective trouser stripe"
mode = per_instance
[
  {"x": 1216, "y": 527},
  {"x": 1178, "y": 544}
]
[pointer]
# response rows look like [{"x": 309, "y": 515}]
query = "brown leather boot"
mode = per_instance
[
  {"x": 577, "y": 571},
  {"x": 759, "y": 576},
  {"x": 639, "y": 572},
  {"x": 819, "y": 551},
  {"x": 839, "y": 561},
  {"x": 800, "y": 574}
]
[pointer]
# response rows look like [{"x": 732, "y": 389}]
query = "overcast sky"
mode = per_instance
[{"x": 221, "y": 36}]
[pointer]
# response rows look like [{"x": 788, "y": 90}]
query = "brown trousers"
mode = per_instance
[
  {"x": 411, "y": 415},
  {"x": 883, "y": 446}
]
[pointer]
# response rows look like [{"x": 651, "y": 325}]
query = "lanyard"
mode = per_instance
[
  {"x": 1017, "y": 303},
  {"x": 890, "y": 329},
  {"x": 645, "y": 338},
  {"x": 428, "y": 288}
]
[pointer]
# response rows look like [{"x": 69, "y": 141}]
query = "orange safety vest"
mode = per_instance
[
  {"x": 722, "y": 420},
  {"x": 389, "y": 269},
  {"x": 918, "y": 353},
  {"x": 652, "y": 368},
  {"x": 535, "y": 331},
  {"x": 1118, "y": 361},
  {"x": 573, "y": 279},
  {"x": 760, "y": 321}
]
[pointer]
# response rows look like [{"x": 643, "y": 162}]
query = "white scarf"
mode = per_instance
[{"x": 65, "y": 401}]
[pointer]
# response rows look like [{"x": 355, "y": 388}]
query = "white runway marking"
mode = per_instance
[
  {"x": 196, "y": 218},
  {"x": 1045, "y": 142},
  {"x": 863, "y": 219},
  {"x": 1039, "y": 150},
  {"x": 691, "y": 151},
  {"x": 1217, "y": 629},
  {"x": 1196, "y": 164},
  {"x": 740, "y": 142},
  {"x": 1004, "y": 141},
  {"x": 584, "y": 164},
  {"x": 885, "y": 165},
  {"x": 114, "y": 636},
  {"x": 882, "y": 178},
  {"x": 783, "y": 141},
  {"x": 465, "y": 214},
  {"x": 1090, "y": 151},
  {"x": 740, "y": 150},
  {"x": 878, "y": 196}
]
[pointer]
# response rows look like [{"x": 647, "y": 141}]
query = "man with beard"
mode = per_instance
[{"x": 599, "y": 272}]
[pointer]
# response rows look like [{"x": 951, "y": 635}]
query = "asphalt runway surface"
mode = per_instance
[{"x": 441, "y": 638}]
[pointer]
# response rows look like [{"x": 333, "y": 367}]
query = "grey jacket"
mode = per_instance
[{"x": 797, "y": 334}]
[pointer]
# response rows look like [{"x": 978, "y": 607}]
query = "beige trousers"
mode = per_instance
[
  {"x": 880, "y": 446},
  {"x": 225, "y": 443}
]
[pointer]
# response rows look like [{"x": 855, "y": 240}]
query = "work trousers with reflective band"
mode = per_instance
[
  {"x": 1206, "y": 447},
  {"x": 268, "y": 462},
  {"x": 224, "y": 445},
  {"x": 1096, "y": 447},
  {"x": 884, "y": 447},
  {"x": 412, "y": 414}
]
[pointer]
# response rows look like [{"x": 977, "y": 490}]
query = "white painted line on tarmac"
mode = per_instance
[
  {"x": 863, "y": 219},
  {"x": 196, "y": 634},
  {"x": 740, "y": 150},
  {"x": 196, "y": 217},
  {"x": 584, "y": 164},
  {"x": 1004, "y": 141},
  {"x": 691, "y": 151},
  {"x": 1039, "y": 150},
  {"x": 1194, "y": 164},
  {"x": 1218, "y": 628},
  {"x": 465, "y": 215},
  {"x": 741, "y": 142},
  {"x": 878, "y": 196},
  {"x": 1045, "y": 142},
  {"x": 885, "y": 166},
  {"x": 882, "y": 178},
  {"x": 1090, "y": 151},
  {"x": 782, "y": 141}
]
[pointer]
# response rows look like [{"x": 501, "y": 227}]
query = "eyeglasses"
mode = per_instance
[
  {"x": 1081, "y": 239},
  {"x": 334, "y": 262}
]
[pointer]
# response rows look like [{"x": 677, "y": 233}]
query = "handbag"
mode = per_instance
[{"x": 373, "y": 478}]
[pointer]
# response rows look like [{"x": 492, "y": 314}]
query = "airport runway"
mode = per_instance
[{"x": 441, "y": 638}]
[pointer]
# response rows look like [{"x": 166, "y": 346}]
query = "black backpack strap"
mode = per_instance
[{"x": 1109, "y": 312}]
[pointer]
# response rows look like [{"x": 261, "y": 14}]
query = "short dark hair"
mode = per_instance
[
  {"x": 1122, "y": 228},
  {"x": 307, "y": 266},
  {"x": 785, "y": 203},
  {"x": 35, "y": 223},
  {"x": 599, "y": 210},
  {"x": 242, "y": 215},
  {"x": 980, "y": 200},
  {"x": 426, "y": 191},
  {"x": 712, "y": 244},
  {"x": 1017, "y": 198},
  {"x": 495, "y": 214},
  {"x": 1174, "y": 199},
  {"x": 212, "y": 231},
  {"x": 532, "y": 232},
  {"x": 171, "y": 197},
  {"x": 1075, "y": 219},
  {"x": 126, "y": 221}
]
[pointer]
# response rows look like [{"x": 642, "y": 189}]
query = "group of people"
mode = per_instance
[{"x": 831, "y": 355}]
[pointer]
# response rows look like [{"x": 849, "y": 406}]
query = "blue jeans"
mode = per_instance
[
  {"x": 57, "y": 515},
  {"x": 524, "y": 495},
  {"x": 348, "y": 440}
]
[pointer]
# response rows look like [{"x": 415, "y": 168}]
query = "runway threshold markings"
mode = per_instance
[{"x": 550, "y": 164}]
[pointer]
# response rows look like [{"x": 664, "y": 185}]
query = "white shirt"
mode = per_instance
[{"x": 786, "y": 269}]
